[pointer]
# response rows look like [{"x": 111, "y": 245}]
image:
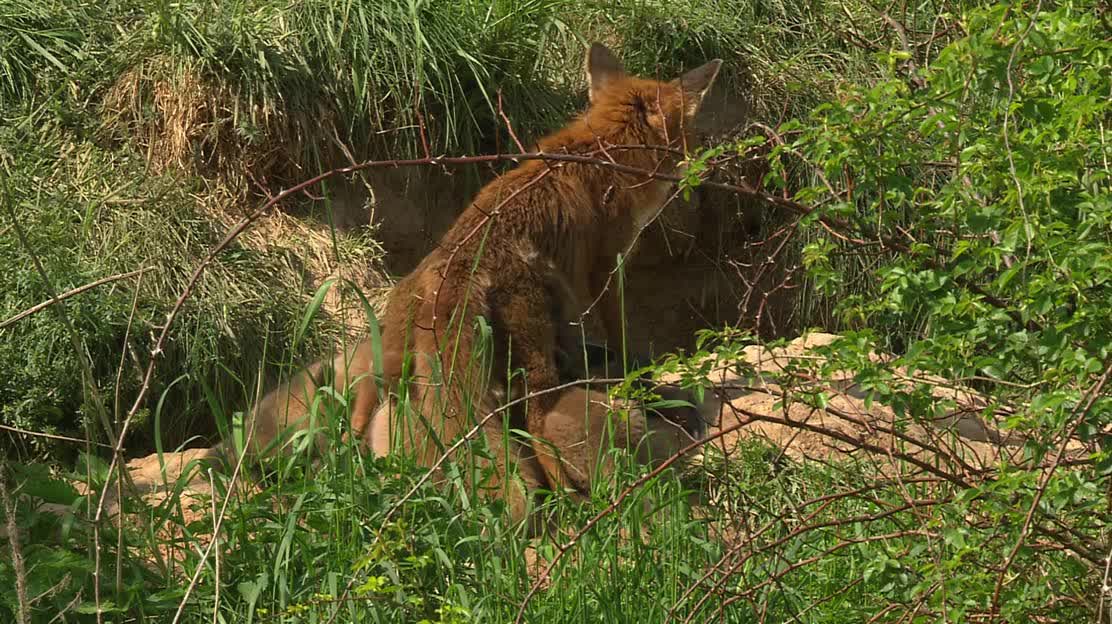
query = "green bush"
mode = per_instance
[{"x": 976, "y": 188}]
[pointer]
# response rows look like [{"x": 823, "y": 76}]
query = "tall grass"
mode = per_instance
[
  {"x": 38, "y": 39},
  {"x": 317, "y": 540},
  {"x": 293, "y": 79},
  {"x": 268, "y": 85}
]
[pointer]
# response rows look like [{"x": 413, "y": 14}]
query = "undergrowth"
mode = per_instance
[{"x": 313, "y": 541}]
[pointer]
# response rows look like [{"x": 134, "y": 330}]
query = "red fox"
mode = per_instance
[
  {"x": 532, "y": 252},
  {"x": 539, "y": 224}
]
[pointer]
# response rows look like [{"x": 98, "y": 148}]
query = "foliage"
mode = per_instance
[
  {"x": 981, "y": 182},
  {"x": 314, "y": 540},
  {"x": 989, "y": 188},
  {"x": 963, "y": 176}
]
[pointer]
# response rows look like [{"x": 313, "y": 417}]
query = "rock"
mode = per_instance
[{"x": 961, "y": 439}]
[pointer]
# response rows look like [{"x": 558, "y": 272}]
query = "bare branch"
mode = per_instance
[
  {"x": 23, "y": 613},
  {"x": 69, "y": 293}
]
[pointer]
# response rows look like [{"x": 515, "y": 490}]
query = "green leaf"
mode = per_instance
[{"x": 311, "y": 311}]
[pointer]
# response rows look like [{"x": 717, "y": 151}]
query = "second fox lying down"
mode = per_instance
[{"x": 532, "y": 252}]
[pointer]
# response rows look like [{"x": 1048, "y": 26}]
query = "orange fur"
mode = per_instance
[{"x": 497, "y": 261}]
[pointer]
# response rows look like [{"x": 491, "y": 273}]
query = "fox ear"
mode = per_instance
[
  {"x": 602, "y": 68},
  {"x": 696, "y": 83}
]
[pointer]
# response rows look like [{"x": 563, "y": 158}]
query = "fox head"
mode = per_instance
[{"x": 649, "y": 112}]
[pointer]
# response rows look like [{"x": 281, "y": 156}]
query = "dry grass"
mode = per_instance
[{"x": 185, "y": 121}]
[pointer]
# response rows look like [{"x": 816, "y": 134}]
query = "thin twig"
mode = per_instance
[
  {"x": 23, "y": 613},
  {"x": 117, "y": 414},
  {"x": 1105, "y": 589},
  {"x": 69, "y": 293},
  {"x": 216, "y": 540},
  {"x": 52, "y": 436},
  {"x": 1007, "y": 126},
  {"x": 1080, "y": 412}
]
